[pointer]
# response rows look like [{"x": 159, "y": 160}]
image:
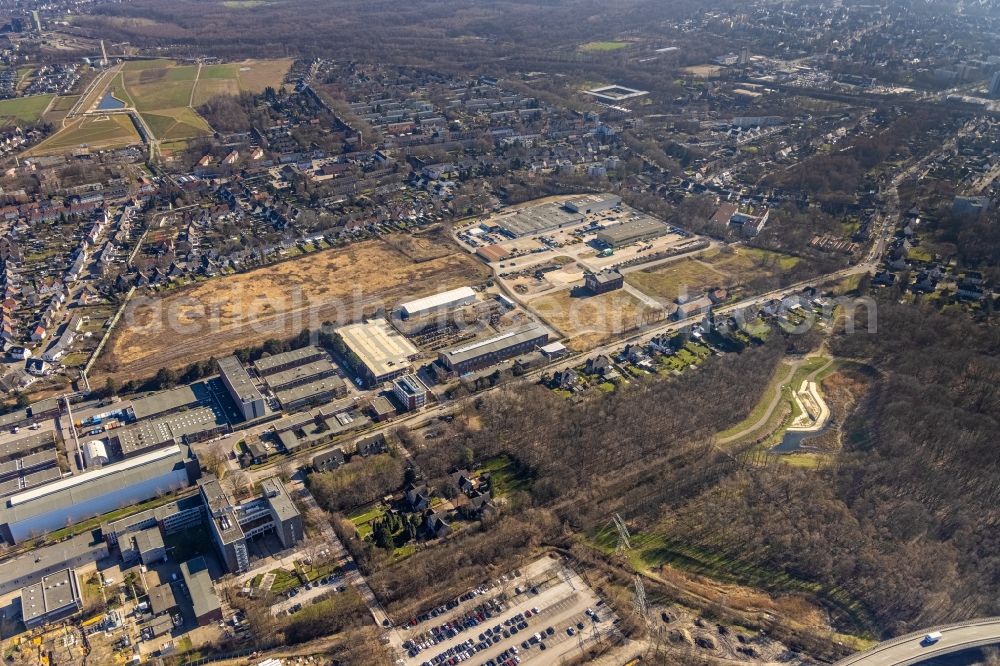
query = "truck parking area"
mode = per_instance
[{"x": 535, "y": 616}]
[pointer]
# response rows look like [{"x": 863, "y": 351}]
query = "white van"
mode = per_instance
[{"x": 931, "y": 638}]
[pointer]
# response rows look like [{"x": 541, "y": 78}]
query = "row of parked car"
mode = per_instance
[
  {"x": 329, "y": 580},
  {"x": 444, "y": 608},
  {"x": 443, "y": 632},
  {"x": 491, "y": 636}
]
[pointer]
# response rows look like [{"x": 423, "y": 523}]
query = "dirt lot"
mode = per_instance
[
  {"x": 425, "y": 246},
  {"x": 590, "y": 320},
  {"x": 215, "y": 317}
]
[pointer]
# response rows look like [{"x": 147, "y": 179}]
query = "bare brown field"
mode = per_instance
[
  {"x": 215, "y": 317},
  {"x": 590, "y": 320},
  {"x": 426, "y": 246}
]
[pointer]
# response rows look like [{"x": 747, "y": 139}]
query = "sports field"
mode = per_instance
[
  {"x": 95, "y": 132},
  {"x": 603, "y": 46},
  {"x": 215, "y": 317},
  {"x": 24, "y": 109}
]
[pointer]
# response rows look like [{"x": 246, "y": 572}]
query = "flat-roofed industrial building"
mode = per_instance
[
  {"x": 532, "y": 220},
  {"x": 444, "y": 301},
  {"x": 71, "y": 499},
  {"x": 28, "y": 461},
  {"x": 192, "y": 425},
  {"x": 632, "y": 231},
  {"x": 241, "y": 388},
  {"x": 377, "y": 351},
  {"x": 299, "y": 375},
  {"x": 204, "y": 600},
  {"x": 54, "y": 597},
  {"x": 288, "y": 360},
  {"x": 171, "y": 401},
  {"x": 485, "y": 353},
  {"x": 318, "y": 391},
  {"x": 30, "y": 566},
  {"x": 593, "y": 203}
]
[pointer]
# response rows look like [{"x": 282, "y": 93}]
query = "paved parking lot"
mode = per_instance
[{"x": 545, "y": 613}]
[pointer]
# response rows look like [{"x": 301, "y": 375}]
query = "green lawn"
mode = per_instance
[
  {"x": 219, "y": 72},
  {"x": 175, "y": 124},
  {"x": 505, "y": 475},
  {"x": 284, "y": 580},
  {"x": 363, "y": 519},
  {"x": 25, "y": 109},
  {"x": 919, "y": 254},
  {"x": 92, "y": 131}
]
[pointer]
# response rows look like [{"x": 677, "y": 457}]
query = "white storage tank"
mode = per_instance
[{"x": 95, "y": 453}]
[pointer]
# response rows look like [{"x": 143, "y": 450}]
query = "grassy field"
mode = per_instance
[
  {"x": 670, "y": 280},
  {"x": 603, "y": 46},
  {"x": 118, "y": 90},
  {"x": 234, "y": 78},
  {"x": 154, "y": 85},
  {"x": 713, "y": 268},
  {"x": 279, "y": 301},
  {"x": 94, "y": 132},
  {"x": 363, "y": 519},
  {"x": 162, "y": 91},
  {"x": 24, "y": 110},
  {"x": 176, "y": 124}
]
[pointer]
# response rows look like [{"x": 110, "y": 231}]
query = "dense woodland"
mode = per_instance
[
  {"x": 418, "y": 32},
  {"x": 899, "y": 533}
]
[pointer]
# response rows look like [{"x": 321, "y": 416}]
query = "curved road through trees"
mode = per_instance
[{"x": 910, "y": 649}]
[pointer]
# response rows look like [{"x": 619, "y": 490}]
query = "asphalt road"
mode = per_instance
[{"x": 910, "y": 649}]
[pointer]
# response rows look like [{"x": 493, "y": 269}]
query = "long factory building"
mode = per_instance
[
  {"x": 446, "y": 300},
  {"x": 484, "y": 353},
  {"x": 83, "y": 496}
]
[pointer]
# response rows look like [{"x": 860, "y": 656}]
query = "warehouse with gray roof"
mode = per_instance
[
  {"x": 72, "y": 499},
  {"x": 204, "y": 600},
  {"x": 632, "y": 231},
  {"x": 484, "y": 353},
  {"x": 287, "y": 360},
  {"x": 54, "y": 597}
]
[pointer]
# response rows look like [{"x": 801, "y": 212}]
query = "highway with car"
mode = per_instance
[{"x": 931, "y": 643}]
